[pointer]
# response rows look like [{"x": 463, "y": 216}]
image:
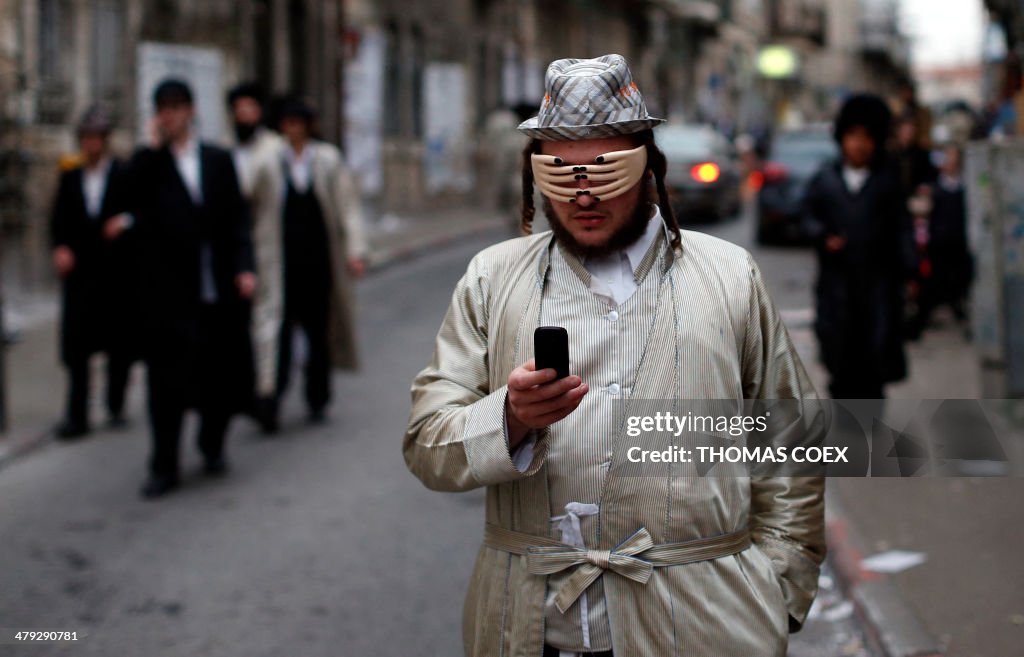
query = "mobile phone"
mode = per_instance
[{"x": 551, "y": 349}]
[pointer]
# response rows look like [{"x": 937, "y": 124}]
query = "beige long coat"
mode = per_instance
[
  {"x": 718, "y": 336},
  {"x": 339, "y": 200}
]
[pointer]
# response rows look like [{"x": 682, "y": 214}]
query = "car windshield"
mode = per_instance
[
  {"x": 802, "y": 154},
  {"x": 680, "y": 144}
]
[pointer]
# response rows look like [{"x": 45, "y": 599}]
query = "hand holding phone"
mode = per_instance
[{"x": 537, "y": 397}]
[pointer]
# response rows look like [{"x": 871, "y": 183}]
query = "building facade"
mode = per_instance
[
  {"x": 58, "y": 57},
  {"x": 423, "y": 96}
]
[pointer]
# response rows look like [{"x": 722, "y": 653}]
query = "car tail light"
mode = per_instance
[
  {"x": 705, "y": 172},
  {"x": 756, "y": 179},
  {"x": 774, "y": 172}
]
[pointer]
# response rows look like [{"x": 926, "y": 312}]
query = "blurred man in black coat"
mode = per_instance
[
  {"x": 855, "y": 215},
  {"x": 100, "y": 301},
  {"x": 194, "y": 232}
]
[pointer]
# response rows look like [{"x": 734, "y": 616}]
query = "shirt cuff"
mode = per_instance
[
  {"x": 486, "y": 443},
  {"x": 522, "y": 455}
]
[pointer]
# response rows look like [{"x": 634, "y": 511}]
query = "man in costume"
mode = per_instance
[
  {"x": 576, "y": 559},
  {"x": 98, "y": 270},
  {"x": 194, "y": 236},
  {"x": 309, "y": 243}
]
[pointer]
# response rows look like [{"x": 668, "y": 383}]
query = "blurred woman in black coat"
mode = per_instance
[
  {"x": 855, "y": 215},
  {"x": 100, "y": 298}
]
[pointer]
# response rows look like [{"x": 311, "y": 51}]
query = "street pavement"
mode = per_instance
[{"x": 319, "y": 542}]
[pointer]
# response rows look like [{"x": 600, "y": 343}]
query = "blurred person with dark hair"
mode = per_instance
[
  {"x": 907, "y": 106},
  {"x": 254, "y": 142},
  {"x": 855, "y": 215},
  {"x": 949, "y": 265},
  {"x": 193, "y": 229},
  {"x": 914, "y": 161},
  {"x": 98, "y": 272},
  {"x": 652, "y": 312},
  {"x": 309, "y": 245}
]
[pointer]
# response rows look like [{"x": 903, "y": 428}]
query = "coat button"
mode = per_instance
[
  {"x": 613, "y": 389},
  {"x": 613, "y": 316}
]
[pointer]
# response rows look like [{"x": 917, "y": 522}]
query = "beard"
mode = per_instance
[
  {"x": 245, "y": 131},
  {"x": 626, "y": 236}
]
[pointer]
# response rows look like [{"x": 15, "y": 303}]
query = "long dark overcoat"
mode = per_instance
[
  {"x": 100, "y": 296},
  {"x": 859, "y": 291},
  {"x": 174, "y": 232}
]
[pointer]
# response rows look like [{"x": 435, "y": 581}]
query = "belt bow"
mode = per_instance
[{"x": 590, "y": 564}]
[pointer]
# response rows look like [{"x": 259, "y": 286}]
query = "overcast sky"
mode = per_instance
[{"x": 943, "y": 31}]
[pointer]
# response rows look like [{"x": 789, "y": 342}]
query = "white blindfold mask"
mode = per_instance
[{"x": 611, "y": 175}]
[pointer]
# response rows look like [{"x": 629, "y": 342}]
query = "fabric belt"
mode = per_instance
[{"x": 634, "y": 558}]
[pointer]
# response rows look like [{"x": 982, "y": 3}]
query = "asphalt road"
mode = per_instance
[{"x": 318, "y": 543}]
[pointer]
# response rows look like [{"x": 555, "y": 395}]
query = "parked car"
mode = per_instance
[
  {"x": 793, "y": 159},
  {"x": 703, "y": 176}
]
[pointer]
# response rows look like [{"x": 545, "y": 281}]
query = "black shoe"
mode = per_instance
[
  {"x": 265, "y": 412},
  {"x": 318, "y": 415},
  {"x": 215, "y": 467},
  {"x": 72, "y": 430},
  {"x": 117, "y": 421},
  {"x": 158, "y": 486}
]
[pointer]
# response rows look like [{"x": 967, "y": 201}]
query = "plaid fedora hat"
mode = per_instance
[{"x": 587, "y": 99}]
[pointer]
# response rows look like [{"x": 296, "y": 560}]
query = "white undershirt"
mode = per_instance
[
  {"x": 187, "y": 160},
  {"x": 855, "y": 177},
  {"x": 950, "y": 183},
  {"x": 94, "y": 186},
  {"x": 614, "y": 275},
  {"x": 300, "y": 166},
  {"x": 242, "y": 157}
]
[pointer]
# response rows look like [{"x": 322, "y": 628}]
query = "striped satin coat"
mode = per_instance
[{"x": 717, "y": 336}]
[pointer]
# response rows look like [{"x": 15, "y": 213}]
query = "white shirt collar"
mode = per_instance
[
  {"x": 297, "y": 158},
  {"x": 855, "y": 177},
  {"x": 190, "y": 149},
  {"x": 638, "y": 249},
  {"x": 94, "y": 182},
  {"x": 613, "y": 276},
  {"x": 950, "y": 183},
  {"x": 635, "y": 252},
  {"x": 100, "y": 168}
]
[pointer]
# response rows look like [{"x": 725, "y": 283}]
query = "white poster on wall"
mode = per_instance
[
  {"x": 201, "y": 68},
  {"x": 447, "y": 159},
  {"x": 364, "y": 110}
]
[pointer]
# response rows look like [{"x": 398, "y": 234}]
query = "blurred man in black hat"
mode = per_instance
[
  {"x": 856, "y": 216},
  {"x": 100, "y": 302},
  {"x": 309, "y": 244},
  {"x": 193, "y": 226}
]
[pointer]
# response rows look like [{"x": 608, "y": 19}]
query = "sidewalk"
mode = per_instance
[
  {"x": 35, "y": 379},
  {"x": 967, "y": 599}
]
